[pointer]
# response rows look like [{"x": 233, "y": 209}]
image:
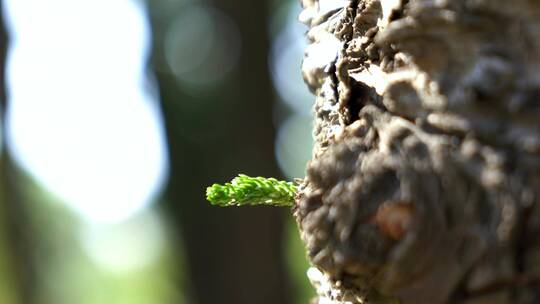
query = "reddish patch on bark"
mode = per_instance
[{"x": 394, "y": 219}]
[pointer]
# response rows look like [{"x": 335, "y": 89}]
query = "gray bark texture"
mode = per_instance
[{"x": 424, "y": 185}]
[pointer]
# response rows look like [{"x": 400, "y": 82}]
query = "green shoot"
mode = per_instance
[{"x": 245, "y": 190}]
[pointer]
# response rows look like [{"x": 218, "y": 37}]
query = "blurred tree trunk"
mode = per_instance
[
  {"x": 425, "y": 181},
  {"x": 16, "y": 247},
  {"x": 232, "y": 255}
]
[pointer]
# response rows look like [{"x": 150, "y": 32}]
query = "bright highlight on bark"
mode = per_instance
[{"x": 246, "y": 190}]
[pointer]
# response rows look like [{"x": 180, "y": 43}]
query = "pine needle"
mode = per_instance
[{"x": 246, "y": 190}]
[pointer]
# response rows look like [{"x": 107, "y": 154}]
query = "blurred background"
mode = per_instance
[{"x": 115, "y": 117}]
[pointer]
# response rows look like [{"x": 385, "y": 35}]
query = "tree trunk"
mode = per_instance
[
  {"x": 425, "y": 178},
  {"x": 232, "y": 256},
  {"x": 16, "y": 232}
]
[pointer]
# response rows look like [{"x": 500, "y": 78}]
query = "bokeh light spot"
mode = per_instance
[
  {"x": 285, "y": 64},
  {"x": 80, "y": 121},
  {"x": 125, "y": 246},
  {"x": 293, "y": 145},
  {"x": 202, "y": 46}
]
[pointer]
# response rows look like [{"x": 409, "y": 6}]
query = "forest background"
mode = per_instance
[{"x": 116, "y": 116}]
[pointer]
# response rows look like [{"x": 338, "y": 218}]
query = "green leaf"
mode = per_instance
[{"x": 245, "y": 190}]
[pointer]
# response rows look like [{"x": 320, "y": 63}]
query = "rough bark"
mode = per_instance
[{"x": 425, "y": 178}]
